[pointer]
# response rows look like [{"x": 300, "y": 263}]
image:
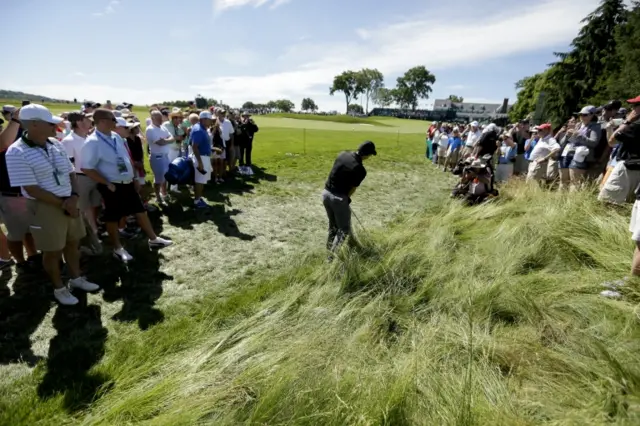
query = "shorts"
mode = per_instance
[
  {"x": 122, "y": 202},
  {"x": 634, "y": 225},
  {"x": 88, "y": 195},
  {"x": 51, "y": 228},
  {"x": 504, "y": 172},
  {"x": 566, "y": 161},
  {"x": 206, "y": 163},
  {"x": 580, "y": 165},
  {"x": 619, "y": 185},
  {"x": 521, "y": 166},
  {"x": 159, "y": 166},
  {"x": 15, "y": 216},
  {"x": 537, "y": 171},
  {"x": 442, "y": 151},
  {"x": 220, "y": 156}
]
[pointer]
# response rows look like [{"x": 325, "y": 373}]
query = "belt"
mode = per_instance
[{"x": 10, "y": 194}]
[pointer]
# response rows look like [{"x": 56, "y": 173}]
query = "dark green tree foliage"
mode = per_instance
[
  {"x": 355, "y": 109},
  {"x": 456, "y": 99},
  {"x": 581, "y": 75},
  {"x": 308, "y": 104},
  {"x": 349, "y": 83},
  {"x": 414, "y": 85}
]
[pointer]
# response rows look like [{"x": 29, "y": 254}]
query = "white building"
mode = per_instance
[{"x": 469, "y": 109}]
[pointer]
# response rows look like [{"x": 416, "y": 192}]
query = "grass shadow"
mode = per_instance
[
  {"x": 77, "y": 347},
  {"x": 21, "y": 314}
]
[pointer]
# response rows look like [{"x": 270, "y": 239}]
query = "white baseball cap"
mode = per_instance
[
  {"x": 8, "y": 108},
  {"x": 474, "y": 124},
  {"x": 121, "y": 122},
  {"x": 39, "y": 113},
  {"x": 206, "y": 114}
]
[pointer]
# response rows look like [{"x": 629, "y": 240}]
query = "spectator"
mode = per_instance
[
  {"x": 530, "y": 144},
  {"x": 249, "y": 128},
  {"x": 200, "y": 141},
  {"x": 585, "y": 139},
  {"x": 345, "y": 177},
  {"x": 232, "y": 142},
  {"x": 89, "y": 198},
  {"x": 159, "y": 141},
  {"x": 430, "y": 132},
  {"x": 626, "y": 173},
  {"x": 175, "y": 129},
  {"x": 519, "y": 135},
  {"x": 39, "y": 165},
  {"x": 602, "y": 152},
  {"x": 219, "y": 152},
  {"x": 472, "y": 139},
  {"x": 443, "y": 144},
  {"x": 506, "y": 158},
  {"x": 488, "y": 142},
  {"x": 567, "y": 152},
  {"x": 453, "y": 150},
  {"x": 13, "y": 206},
  {"x": 227, "y": 133},
  {"x": 545, "y": 149},
  {"x": 89, "y": 106},
  {"x": 106, "y": 160},
  {"x": 134, "y": 143}
]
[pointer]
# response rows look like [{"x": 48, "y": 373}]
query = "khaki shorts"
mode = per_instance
[
  {"x": 88, "y": 195},
  {"x": 537, "y": 171},
  {"x": 619, "y": 185},
  {"x": 51, "y": 228},
  {"x": 16, "y": 217}
]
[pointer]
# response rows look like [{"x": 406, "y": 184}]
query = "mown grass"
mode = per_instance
[
  {"x": 334, "y": 118},
  {"x": 449, "y": 315}
]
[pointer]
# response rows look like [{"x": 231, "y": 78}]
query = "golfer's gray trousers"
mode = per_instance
[{"x": 339, "y": 214}]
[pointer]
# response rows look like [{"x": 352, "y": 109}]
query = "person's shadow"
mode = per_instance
[
  {"x": 78, "y": 346},
  {"x": 21, "y": 314}
]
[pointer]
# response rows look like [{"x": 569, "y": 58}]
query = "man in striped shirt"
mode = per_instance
[{"x": 39, "y": 165}]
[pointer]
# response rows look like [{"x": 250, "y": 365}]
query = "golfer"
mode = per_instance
[{"x": 346, "y": 175}]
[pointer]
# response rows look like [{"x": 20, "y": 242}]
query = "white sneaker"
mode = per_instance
[
  {"x": 64, "y": 296},
  {"x": 243, "y": 170},
  {"x": 122, "y": 254},
  {"x": 174, "y": 189},
  {"x": 83, "y": 284},
  {"x": 249, "y": 171},
  {"x": 160, "y": 243}
]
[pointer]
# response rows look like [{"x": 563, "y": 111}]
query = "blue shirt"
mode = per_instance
[
  {"x": 454, "y": 143},
  {"x": 102, "y": 153},
  {"x": 532, "y": 144},
  {"x": 507, "y": 153},
  {"x": 200, "y": 138}
]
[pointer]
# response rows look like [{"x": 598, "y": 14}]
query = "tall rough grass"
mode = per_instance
[{"x": 456, "y": 315}]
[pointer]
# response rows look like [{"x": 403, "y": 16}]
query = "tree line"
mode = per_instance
[
  {"x": 414, "y": 85},
  {"x": 603, "y": 63}
]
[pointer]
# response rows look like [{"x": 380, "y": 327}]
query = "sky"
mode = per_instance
[{"x": 259, "y": 50}]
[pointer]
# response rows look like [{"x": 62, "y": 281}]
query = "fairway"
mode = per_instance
[{"x": 438, "y": 314}]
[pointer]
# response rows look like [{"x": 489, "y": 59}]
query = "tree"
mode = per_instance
[
  {"x": 284, "y": 105},
  {"x": 457, "y": 99},
  {"x": 272, "y": 105},
  {"x": 383, "y": 97},
  {"x": 249, "y": 105},
  {"x": 308, "y": 105},
  {"x": 414, "y": 85},
  {"x": 347, "y": 83},
  {"x": 355, "y": 109},
  {"x": 369, "y": 81}
]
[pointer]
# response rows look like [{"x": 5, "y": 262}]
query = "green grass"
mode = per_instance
[
  {"x": 441, "y": 315},
  {"x": 333, "y": 118}
]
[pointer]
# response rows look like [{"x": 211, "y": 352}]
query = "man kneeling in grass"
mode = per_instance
[{"x": 345, "y": 176}]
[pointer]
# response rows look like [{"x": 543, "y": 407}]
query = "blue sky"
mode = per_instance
[{"x": 237, "y": 50}]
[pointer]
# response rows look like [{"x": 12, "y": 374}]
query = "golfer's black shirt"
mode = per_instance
[
  {"x": 488, "y": 143},
  {"x": 347, "y": 173}
]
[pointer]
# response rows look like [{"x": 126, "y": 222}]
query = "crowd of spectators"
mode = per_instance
[
  {"x": 597, "y": 145},
  {"x": 63, "y": 179}
]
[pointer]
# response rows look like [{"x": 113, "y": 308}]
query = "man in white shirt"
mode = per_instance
[
  {"x": 472, "y": 138},
  {"x": 226, "y": 128},
  {"x": 88, "y": 196},
  {"x": 159, "y": 141},
  {"x": 546, "y": 148},
  {"x": 39, "y": 164}
]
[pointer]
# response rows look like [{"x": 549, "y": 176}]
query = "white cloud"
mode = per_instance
[
  {"x": 395, "y": 47},
  {"x": 363, "y": 34},
  {"x": 109, "y": 9},
  {"x": 222, "y": 5}
]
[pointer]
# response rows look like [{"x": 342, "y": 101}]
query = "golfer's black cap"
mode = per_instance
[{"x": 367, "y": 148}]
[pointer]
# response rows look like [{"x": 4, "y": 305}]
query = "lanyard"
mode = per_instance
[
  {"x": 105, "y": 140},
  {"x": 51, "y": 159}
]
